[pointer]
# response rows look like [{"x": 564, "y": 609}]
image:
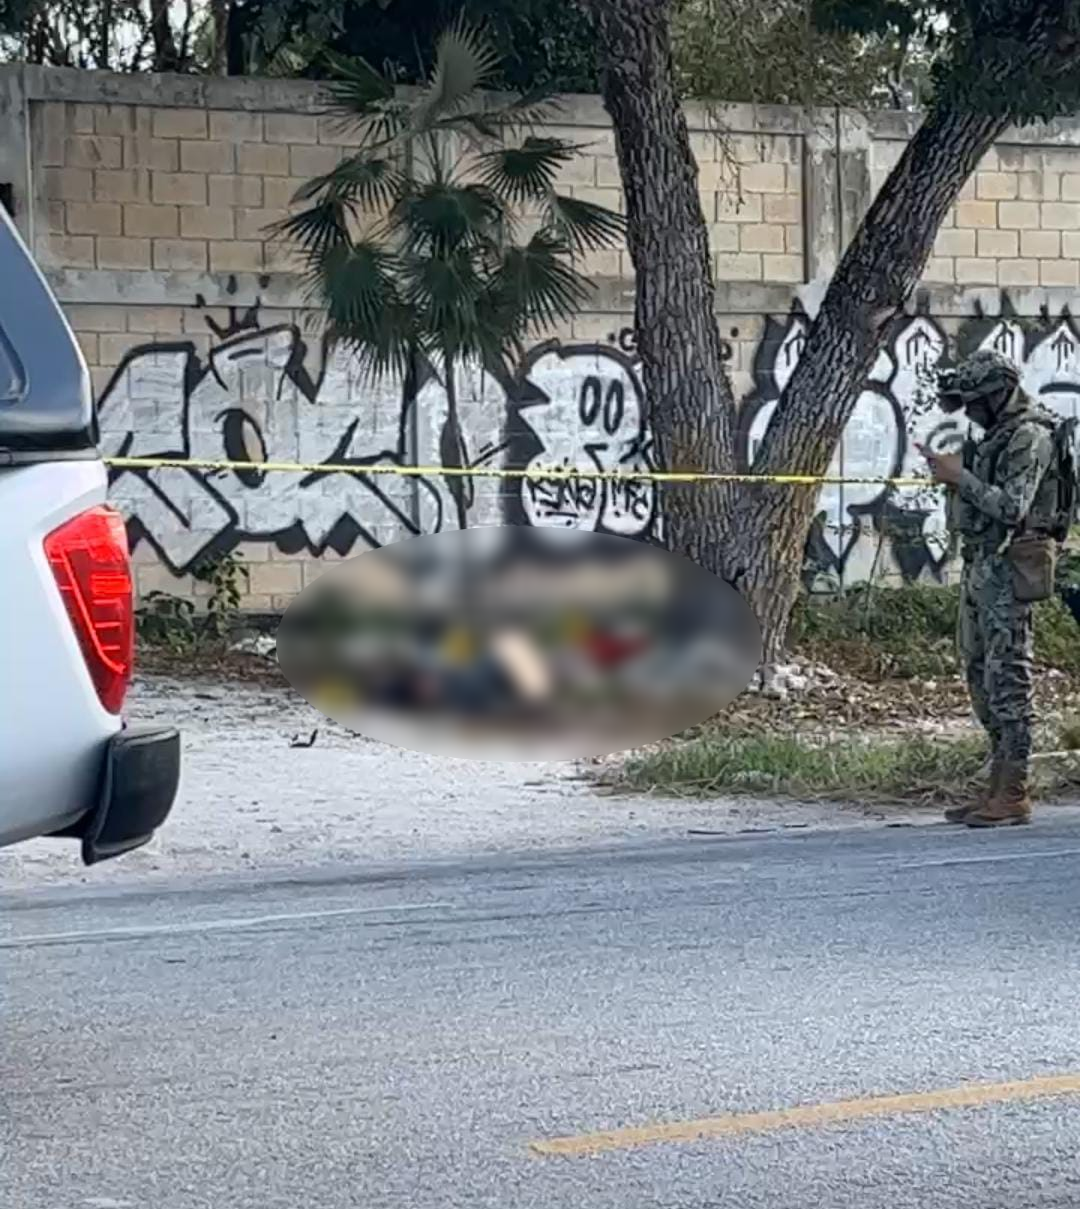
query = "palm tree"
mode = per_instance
[{"x": 415, "y": 245}]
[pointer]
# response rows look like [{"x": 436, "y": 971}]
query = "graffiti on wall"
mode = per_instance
[
  {"x": 256, "y": 398},
  {"x": 266, "y": 395}
]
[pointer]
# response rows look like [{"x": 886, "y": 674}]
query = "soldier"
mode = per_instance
[{"x": 1004, "y": 503}]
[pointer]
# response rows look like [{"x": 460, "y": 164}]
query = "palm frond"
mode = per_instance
[
  {"x": 356, "y": 87},
  {"x": 535, "y": 282},
  {"x": 369, "y": 182},
  {"x": 527, "y": 172},
  {"x": 365, "y": 309},
  {"x": 318, "y": 231},
  {"x": 584, "y": 225},
  {"x": 443, "y": 295},
  {"x": 437, "y": 219},
  {"x": 464, "y": 63}
]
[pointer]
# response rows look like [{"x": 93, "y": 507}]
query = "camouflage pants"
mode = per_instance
[{"x": 996, "y": 641}]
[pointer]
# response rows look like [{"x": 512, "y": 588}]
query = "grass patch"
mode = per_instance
[
  {"x": 911, "y": 770},
  {"x": 910, "y": 632}
]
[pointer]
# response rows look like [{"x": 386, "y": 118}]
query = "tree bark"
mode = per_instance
[
  {"x": 165, "y": 57},
  {"x": 692, "y": 408},
  {"x": 755, "y": 535},
  {"x": 219, "y": 11}
]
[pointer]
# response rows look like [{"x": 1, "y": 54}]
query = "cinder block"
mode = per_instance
[
  {"x": 763, "y": 178},
  {"x": 155, "y": 320},
  {"x": 279, "y": 191},
  {"x": 235, "y": 126},
  {"x": 122, "y": 185},
  {"x": 959, "y": 241},
  {"x": 724, "y": 237},
  {"x": 90, "y": 317},
  {"x": 262, "y": 159},
  {"x": 1059, "y": 272},
  {"x": 784, "y": 268},
  {"x": 70, "y": 251},
  {"x": 1018, "y": 272},
  {"x": 88, "y": 342},
  {"x": 236, "y": 256},
  {"x": 112, "y": 349},
  {"x": 728, "y": 208},
  {"x": 93, "y": 218},
  {"x": 207, "y": 156},
  {"x": 206, "y": 222},
  {"x": 738, "y": 267},
  {"x": 155, "y": 222},
  {"x": 759, "y": 237},
  {"x": 940, "y": 270},
  {"x": 178, "y": 188},
  {"x": 69, "y": 184},
  {"x": 180, "y": 123},
  {"x": 117, "y": 120},
  {"x": 1023, "y": 216},
  {"x": 795, "y": 240},
  {"x": 290, "y": 128},
  {"x": 252, "y": 224},
  {"x": 180, "y": 254},
  {"x": 783, "y": 209},
  {"x": 1070, "y": 245},
  {"x": 306, "y": 161},
  {"x": 1062, "y": 216},
  {"x": 244, "y": 192},
  {"x": 999, "y": 245},
  {"x": 273, "y": 578},
  {"x": 997, "y": 186},
  {"x": 976, "y": 272},
  {"x": 980, "y": 214},
  {"x": 1040, "y": 245},
  {"x": 162, "y": 155},
  {"x": 114, "y": 252}
]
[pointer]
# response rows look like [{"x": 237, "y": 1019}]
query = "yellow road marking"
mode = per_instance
[{"x": 810, "y": 1116}]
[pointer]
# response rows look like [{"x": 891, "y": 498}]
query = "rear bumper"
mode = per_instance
[{"x": 139, "y": 783}]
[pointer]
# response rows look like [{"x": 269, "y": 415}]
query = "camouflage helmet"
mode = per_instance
[{"x": 984, "y": 373}]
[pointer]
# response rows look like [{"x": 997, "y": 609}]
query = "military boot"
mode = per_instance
[
  {"x": 957, "y": 814},
  {"x": 1009, "y": 805}
]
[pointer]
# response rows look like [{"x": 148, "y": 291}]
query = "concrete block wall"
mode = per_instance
[{"x": 147, "y": 200}]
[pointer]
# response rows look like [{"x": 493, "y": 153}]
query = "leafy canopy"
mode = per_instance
[
  {"x": 987, "y": 54},
  {"x": 444, "y": 232}
]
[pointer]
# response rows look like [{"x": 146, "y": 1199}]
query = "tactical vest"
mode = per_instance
[{"x": 1054, "y": 509}]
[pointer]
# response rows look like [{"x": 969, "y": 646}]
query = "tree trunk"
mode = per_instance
[
  {"x": 219, "y": 11},
  {"x": 755, "y": 535},
  {"x": 876, "y": 276},
  {"x": 165, "y": 57},
  {"x": 692, "y": 409}
]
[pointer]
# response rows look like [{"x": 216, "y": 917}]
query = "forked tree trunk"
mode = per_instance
[{"x": 755, "y": 535}]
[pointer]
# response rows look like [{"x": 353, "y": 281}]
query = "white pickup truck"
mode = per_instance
[{"x": 69, "y": 765}]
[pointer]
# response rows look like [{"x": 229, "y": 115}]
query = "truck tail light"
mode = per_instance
[{"x": 89, "y": 558}]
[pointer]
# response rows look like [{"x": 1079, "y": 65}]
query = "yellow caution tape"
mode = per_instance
[{"x": 545, "y": 473}]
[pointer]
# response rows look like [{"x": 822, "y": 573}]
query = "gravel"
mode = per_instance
[{"x": 252, "y": 802}]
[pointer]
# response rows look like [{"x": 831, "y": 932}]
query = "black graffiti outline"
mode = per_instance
[
  {"x": 291, "y": 539},
  {"x": 524, "y": 443}
]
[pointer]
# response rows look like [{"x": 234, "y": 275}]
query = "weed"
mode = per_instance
[
  {"x": 916, "y": 770},
  {"x": 171, "y": 623}
]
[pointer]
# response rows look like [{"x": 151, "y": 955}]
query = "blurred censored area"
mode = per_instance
[{"x": 519, "y": 643}]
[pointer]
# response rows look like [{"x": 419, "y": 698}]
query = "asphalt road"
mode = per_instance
[{"x": 401, "y": 1040}]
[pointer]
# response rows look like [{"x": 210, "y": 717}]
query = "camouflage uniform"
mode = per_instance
[{"x": 1008, "y": 487}]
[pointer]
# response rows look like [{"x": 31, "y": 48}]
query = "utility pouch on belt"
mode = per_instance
[{"x": 1032, "y": 562}]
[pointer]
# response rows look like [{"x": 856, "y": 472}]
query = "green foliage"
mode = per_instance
[
  {"x": 416, "y": 248},
  {"x": 743, "y": 50},
  {"x": 171, "y": 623},
  {"x": 537, "y": 43},
  {"x": 988, "y": 55},
  {"x": 910, "y": 632}
]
